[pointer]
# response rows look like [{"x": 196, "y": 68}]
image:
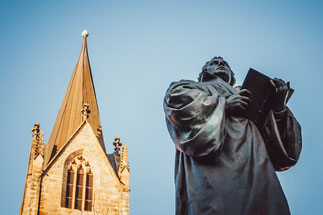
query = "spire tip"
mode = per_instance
[{"x": 85, "y": 33}]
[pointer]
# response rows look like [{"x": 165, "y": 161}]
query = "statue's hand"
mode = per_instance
[
  {"x": 279, "y": 98},
  {"x": 238, "y": 102}
]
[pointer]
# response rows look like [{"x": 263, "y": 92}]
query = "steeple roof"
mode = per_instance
[{"x": 80, "y": 91}]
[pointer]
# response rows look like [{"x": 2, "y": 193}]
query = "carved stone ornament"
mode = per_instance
[
  {"x": 117, "y": 145},
  {"x": 38, "y": 146},
  {"x": 85, "y": 111}
]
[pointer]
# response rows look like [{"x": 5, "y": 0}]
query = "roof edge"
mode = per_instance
[
  {"x": 58, "y": 154},
  {"x": 51, "y": 161}
]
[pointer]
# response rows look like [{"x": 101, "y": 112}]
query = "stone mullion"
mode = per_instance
[
  {"x": 74, "y": 185},
  {"x": 84, "y": 187},
  {"x": 92, "y": 197}
]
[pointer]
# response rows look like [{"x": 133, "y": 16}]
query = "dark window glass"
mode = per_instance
[
  {"x": 89, "y": 192},
  {"x": 79, "y": 189},
  {"x": 69, "y": 188}
]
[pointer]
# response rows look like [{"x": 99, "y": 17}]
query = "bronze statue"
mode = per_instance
[{"x": 225, "y": 164}]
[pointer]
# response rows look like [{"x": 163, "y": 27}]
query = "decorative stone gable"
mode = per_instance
[{"x": 98, "y": 192}]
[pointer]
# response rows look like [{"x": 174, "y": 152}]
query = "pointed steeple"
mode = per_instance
[{"x": 80, "y": 92}]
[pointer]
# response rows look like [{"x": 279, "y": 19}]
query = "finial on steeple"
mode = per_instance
[
  {"x": 117, "y": 145},
  {"x": 85, "y": 111},
  {"x": 85, "y": 33}
]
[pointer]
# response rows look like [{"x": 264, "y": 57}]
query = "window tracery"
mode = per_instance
[{"x": 79, "y": 184}]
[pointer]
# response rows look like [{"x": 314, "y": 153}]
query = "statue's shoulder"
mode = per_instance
[
  {"x": 182, "y": 82},
  {"x": 180, "y": 86},
  {"x": 184, "y": 86}
]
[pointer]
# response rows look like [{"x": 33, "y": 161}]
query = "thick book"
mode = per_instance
[{"x": 261, "y": 93}]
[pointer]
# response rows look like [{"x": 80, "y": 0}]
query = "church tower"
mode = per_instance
[{"x": 72, "y": 173}]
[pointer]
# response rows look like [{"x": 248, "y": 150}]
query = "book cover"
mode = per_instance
[{"x": 261, "y": 90}]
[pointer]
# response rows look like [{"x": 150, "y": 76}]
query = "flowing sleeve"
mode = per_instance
[
  {"x": 283, "y": 139},
  {"x": 195, "y": 119}
]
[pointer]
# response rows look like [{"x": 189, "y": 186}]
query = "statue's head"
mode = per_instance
[{"x": 217, "y": 67}]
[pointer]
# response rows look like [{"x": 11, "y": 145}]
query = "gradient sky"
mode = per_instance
[{"x": 136, "y": 49}]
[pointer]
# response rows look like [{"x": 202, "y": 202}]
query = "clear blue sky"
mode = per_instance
[{"x": 136, "y": 49}]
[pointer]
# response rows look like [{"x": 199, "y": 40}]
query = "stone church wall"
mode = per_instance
[{"x": 109, "y": 196}]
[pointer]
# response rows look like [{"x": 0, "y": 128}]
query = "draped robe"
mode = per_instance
[{"x": 224, "y": 164}]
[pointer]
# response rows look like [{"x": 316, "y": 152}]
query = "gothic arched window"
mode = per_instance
[{"x": 79, "y": 186}]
